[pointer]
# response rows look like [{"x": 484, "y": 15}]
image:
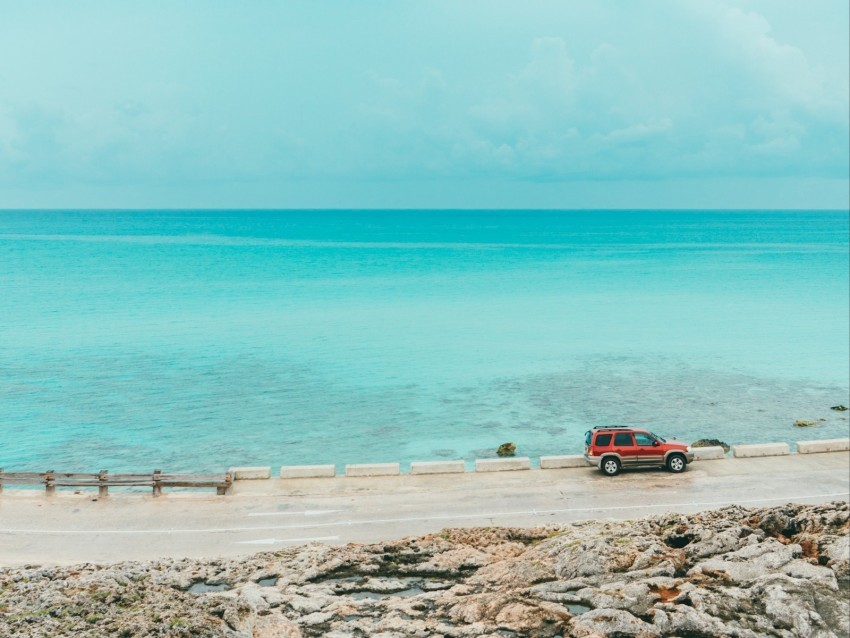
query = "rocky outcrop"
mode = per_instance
[
  {"x": 506, "y": 449},
  {"x": 711, "y": 443},
  {"x": 732, "y": 572},
  {"x": 803, "y": 423}
]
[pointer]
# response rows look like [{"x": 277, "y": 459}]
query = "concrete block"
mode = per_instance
[
  {"x": 708, "y": 453},
  {"x": 502, "y": 465},
  {"x": 307, "y": 471},
  {"x": 373, "y": 469},
  {"x": 557, "y": 462},
  {"x": 760, "y": 449},
  {"x": 249, "y": 473},
  {"x": 437, "y": 467},
  {"x": 824, "y": 445}
]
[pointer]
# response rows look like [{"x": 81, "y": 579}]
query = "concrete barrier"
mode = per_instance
[
  {"x": 708, "y": 453},
  {"x": 437, "y": 467},
  {"x": 502, "y": 465},
  {"x": 249, "y": 473},
  {"x": 825, "y": 445},
  {"x": 373, "y": 469},
  {"x": 558, "y": 462},
  {"x": 760, "y": 449},
  {"x": 307, "y": 471},
  {"x": 523, "y": 463}
]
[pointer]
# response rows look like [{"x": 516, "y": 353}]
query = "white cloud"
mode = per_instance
[
  {"x": 776, "y": 134},
  {"x": 535, "y": 92},
  {"x": 778, "y": 68},
  {"x": 640, "y": 131},
  {"x": 550, "y": 72}
]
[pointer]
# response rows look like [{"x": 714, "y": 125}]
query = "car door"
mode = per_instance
[
  {"x": 624, "y": 445},
  {"x": 649, "y": 452}
]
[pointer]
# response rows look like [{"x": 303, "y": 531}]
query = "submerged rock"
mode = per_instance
[
  {"x": 740, "y": 572},
  {"x": 839, "y": 408},
  {"x": 506, "y": 449},
  {"x": 802, "y": 423}
]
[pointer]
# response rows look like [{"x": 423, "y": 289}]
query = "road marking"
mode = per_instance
[
  {"x": 272, "y": 541},
  {"x": 305, "y": 513},
  {"x": 444, "y": 517}
]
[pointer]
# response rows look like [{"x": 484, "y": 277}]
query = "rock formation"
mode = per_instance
[
  {"x": 732, "y": 572},
  {"x": 506, "y": 449},
  {"x": 803, "y": 423},
  {"x": 711, "y": 443}
]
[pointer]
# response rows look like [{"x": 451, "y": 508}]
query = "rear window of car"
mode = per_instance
[
  {"x": 624, "y": 438},
  {"x": 603, "y": 440}
]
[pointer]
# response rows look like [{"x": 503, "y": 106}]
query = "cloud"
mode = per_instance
[
  {"x": 33, "y": 140},
  {"x": 779, "y": 71},
  {"x": 538, "y": 93},
  {"x": 739, "y": 102},
  {"x": 549, "y": 74},
  {"x": 640, "y": 131}
]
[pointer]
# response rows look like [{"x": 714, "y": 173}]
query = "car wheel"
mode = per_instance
[
  {"x": 611, "y": 466},
  {"x": 676, "y": 463}
]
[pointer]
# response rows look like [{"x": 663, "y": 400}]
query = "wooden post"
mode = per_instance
[
  {"x": 1, "y": 480},
  {"x": 157, "y": 483},
  {"x": 103, "y": 488},
  {"x": 221, "y": 490},
  {"x": 50, "y": 483}
]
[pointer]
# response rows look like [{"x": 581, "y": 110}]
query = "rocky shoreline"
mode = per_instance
[{"x": 736, "y": 571}]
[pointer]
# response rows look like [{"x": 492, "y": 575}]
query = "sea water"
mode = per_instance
[{"x": 197, "y": 340}]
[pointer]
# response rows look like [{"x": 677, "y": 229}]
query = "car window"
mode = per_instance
[
  {"x": 587, "y": 436},
  {"x": 643, "y": 439},
  {"x": 624, "y": 438},
  {"x": 603, "y": 440},
  {"x": 660, "y": 438}
]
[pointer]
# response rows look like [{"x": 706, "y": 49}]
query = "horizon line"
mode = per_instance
[{"x": 417, "y": 209}]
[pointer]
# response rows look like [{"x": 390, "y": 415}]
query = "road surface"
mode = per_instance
[{"x": 273, "y": 514}]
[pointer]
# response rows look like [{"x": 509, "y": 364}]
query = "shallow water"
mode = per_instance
[
  {"x": 201, "y": 587},
  {"x": 374, "y": 595},
  {"x": 271, "y": 581},
  {"x": 193, "y": 341}
]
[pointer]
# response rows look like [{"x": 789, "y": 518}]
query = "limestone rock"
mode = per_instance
[
  {"x": 711, "y": 443},
  {"x": 506, "y": 449},
  {"x": 611, "y": 622},
  {"x": 738, "y": 572}
]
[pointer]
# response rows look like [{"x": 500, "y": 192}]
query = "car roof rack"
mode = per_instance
[{"x": 615, "y": 427}]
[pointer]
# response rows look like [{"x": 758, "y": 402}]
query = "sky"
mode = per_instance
[{"x": 424, "y": 104}]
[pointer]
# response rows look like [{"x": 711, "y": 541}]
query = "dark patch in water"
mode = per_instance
[{"x": 444, "y": 453}]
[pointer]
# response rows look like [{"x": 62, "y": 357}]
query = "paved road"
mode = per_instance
[{"x": 272, "y": 514}]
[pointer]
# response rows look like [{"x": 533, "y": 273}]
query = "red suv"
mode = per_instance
[{"x": 614, "y": 448}]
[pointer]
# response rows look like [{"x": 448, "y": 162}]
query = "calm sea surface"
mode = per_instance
[{"x": 198, "y": 340}]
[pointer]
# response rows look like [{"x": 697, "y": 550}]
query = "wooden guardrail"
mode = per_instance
[{"x": 103, "y": 480}]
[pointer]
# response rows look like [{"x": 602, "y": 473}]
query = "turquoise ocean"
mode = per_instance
[{"x": 197, "y": 340}]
